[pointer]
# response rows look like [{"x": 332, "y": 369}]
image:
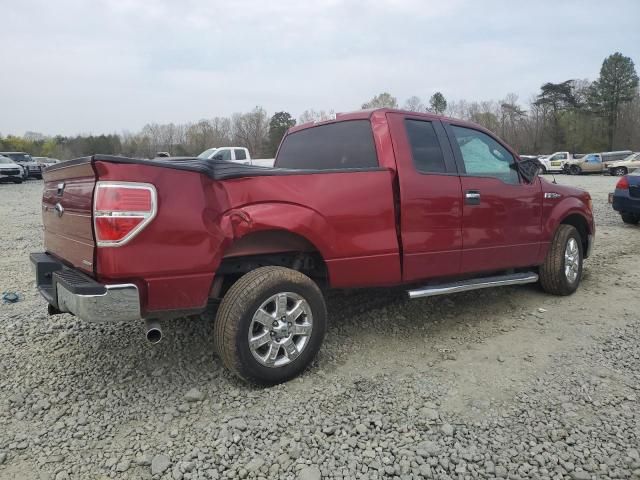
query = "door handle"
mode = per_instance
[{"x": 472, "y": 197}]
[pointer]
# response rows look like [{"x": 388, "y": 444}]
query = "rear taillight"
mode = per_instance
[
  {"x": 121, "y": 210},
  {"x": 623, "y": 184}
]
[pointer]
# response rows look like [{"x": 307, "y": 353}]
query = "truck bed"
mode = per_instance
[{"x": 205, "y": 206}]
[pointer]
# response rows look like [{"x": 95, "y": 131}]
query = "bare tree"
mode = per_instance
[
  {"x": 251, "y": 130},
  {"x": 414, "y": 104},
  {"x": 316, "y": 116}
]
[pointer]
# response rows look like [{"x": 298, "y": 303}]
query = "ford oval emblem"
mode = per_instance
[{"x": 59, "y": 209}]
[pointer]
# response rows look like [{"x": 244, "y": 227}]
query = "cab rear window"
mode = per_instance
[{"x": 340, "y": 145}]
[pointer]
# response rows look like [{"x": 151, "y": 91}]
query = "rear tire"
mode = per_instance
[
  {"x": 284, "y": 314},
  {"x": 561, "y": 271},
  {"x": 630, "y": 218}
]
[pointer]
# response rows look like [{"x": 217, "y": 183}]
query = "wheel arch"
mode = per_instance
[
  {"x": 580, "y": 223},
  {"x": 264, "y": 237}
]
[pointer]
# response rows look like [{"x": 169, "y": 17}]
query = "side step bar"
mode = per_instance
[{"x": 474, "y": 284}]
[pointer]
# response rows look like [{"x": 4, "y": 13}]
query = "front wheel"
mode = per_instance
[
  {"x": 270, "y": 325},
  {"x": 17, "y": 180},
  {"x": 620, "y": 171},
  {"x": 630, "y": 218},
  {"x": 561, "y": 271},
  {"x": 575, "y": 170}
]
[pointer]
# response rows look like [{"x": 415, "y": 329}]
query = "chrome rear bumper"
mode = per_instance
[{"x": 70, "y": 291}]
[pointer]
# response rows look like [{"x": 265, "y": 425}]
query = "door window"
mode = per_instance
[
  {"x": 425, "y": 147},
  {"x": 224, "y": 154},
  {"x": 485, "y": 157},
  {"x": 240, "y": 154}
]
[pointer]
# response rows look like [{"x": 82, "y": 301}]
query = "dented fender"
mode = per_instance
[{"x": 303, "y": 221}]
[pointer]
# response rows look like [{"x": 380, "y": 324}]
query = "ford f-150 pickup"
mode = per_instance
[{"x": 370, "y": 199}]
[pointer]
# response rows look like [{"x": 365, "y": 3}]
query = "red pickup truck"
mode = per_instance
[{"x": 372, "y": 198}]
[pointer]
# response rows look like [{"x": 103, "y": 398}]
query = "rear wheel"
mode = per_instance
[
  {"x": 630, "y": 218},
  {"x": 620, "y": 171},
  {"x": 561, "y": 271},
  {"x": 270, "y": 325}
]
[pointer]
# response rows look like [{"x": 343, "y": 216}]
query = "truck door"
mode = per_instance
[
  {"x": 430, "y": 198},
  {"x": 240, "y": 156},
  {"x": 223, "y": 154},
  {"x": 502, "y": 213},
  {"x": 592, "y": 163}
]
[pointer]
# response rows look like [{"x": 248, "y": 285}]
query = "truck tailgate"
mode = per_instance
[{"x": 67, "y": 212}]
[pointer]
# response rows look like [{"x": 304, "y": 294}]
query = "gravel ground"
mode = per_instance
[{"x": 507, "y": 383}]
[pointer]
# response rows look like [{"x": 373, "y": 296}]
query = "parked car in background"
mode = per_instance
[
  {"x": 236, "y": 155},
  {"x": 622, "y": 167},
  {"x": 554, "y": 163},
  {"x": 594, "y": 162},
  {"x": 626, "y": 198},
  {"x": 46, "y": 161},
  {"x": 32, "y": 168},
  {"x": 10, "y": 171},
  {"x": 373, "y": 198},
  {"x": 590, "y": 163}
]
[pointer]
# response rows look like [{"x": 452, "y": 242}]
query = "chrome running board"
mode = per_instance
[{"x": 474, "y": 284}]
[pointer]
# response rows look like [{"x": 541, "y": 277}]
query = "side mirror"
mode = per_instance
[{"x": 529, "y": 169}]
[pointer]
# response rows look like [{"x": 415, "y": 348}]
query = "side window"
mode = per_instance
[
  {"x": 339, "y": 145},
  {"x": 562, "y": 156},
  {"x": 224, "y": 154},
  {"x": 240, "y": 154},
  {"x": 485, "y": 157},
  {"x": 425, "y": 147}
]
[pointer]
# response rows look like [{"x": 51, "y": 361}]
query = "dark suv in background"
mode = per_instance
[{"x": 32, "y": 168}]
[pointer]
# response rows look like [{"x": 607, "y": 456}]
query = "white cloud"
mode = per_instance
[{"x": 116, "y": 64}]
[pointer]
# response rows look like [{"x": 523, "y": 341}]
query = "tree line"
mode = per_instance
[{"x": 574, "y": 115}]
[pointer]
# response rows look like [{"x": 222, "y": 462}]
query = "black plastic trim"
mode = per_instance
[
  {"x": 50, "y": 272},
  {"x": 78, "y": 283},
  {"x": 222, "y": 170}
]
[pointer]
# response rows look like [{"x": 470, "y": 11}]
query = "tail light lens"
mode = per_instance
[
  {"x": 121, "y": 210},
  {"x": 623, "y": 184}
]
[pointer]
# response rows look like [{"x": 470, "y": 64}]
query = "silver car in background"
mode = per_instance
[
  {"x": 32, "y": 169},
  {"x": 10, "y": 171},
  {"x": 45, "y": 161}
]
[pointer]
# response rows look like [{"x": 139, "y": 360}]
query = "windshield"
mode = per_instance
[
  {"x": 207, "y": 153},
  {"x": 19, "y": 157},
  {"x": 5, "y": 160}
]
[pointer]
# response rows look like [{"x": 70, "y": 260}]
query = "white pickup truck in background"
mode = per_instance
[
  {"x": 236, "y": 155},
  {"x": 554, "y": 163}
]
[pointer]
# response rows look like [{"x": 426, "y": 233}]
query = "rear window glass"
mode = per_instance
[
  {"x": 425, "y": 147},
  {"x": 339, "y": 145}
]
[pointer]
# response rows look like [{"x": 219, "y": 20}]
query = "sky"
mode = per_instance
[{"x": 105, "y": 66}]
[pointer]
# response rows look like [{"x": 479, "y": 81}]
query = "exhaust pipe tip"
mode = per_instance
[{"x": 154, "y": 332}]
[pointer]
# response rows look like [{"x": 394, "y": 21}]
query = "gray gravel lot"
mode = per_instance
[{"x": 507, "y": 383}]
